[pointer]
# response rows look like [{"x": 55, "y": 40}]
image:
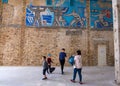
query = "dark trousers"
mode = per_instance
[
  {"x": 79, "y": 73},
  {"x": 62, "y": 62},
  {"x": 44, "y": 71},
  {"x": 49, "y": 68}
]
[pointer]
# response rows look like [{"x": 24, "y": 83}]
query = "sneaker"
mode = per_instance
[
  {"x": 62, "y": 73},
  {"x": 80, "y": 82},
  {"x": 44, "y": 78},
  {"x": 72, "y": 81}
]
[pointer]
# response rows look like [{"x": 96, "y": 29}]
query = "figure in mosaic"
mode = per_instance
[
  {"x": 101, "y": 20},
  {"x": 77, "y": 19},
  {"x": 36, "y": 11},
  {"x": 58, "y": 12}
]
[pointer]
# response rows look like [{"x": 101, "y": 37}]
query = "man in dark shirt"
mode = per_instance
[{"x": 62, "y": 56}]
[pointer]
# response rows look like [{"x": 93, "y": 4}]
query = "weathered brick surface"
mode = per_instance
[
  {"x": 20, "y": 45},
  {"x": 105, "y": 38},
  {"x": 9, "y": 46}
]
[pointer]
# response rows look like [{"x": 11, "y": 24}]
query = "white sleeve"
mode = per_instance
[{"x": 74, "y": 58}]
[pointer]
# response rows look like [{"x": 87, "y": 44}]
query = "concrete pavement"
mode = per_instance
[{"x": 32, "y": 76}]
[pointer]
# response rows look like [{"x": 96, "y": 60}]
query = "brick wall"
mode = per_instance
[{"x": 21, "y": 45}]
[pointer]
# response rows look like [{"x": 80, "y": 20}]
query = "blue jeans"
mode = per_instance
[{"x": 79, "y": 73}]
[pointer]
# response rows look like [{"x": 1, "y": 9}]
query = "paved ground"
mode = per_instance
[{"x": 32, "y": 76}]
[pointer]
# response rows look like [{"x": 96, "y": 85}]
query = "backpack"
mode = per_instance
[{"x": 71, "y": 60}]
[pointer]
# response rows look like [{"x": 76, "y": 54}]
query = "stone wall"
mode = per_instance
[{"x": 21, "y": 45}]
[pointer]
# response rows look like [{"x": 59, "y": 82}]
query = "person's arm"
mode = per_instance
[
  {"x": 65, "y": 55},
  {"x": 51, "y": 60},
  {"x": 75, "y": 61}
]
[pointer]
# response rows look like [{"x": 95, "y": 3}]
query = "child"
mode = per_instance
[
  {"x": 45, "y": 67},
  {"x": 49, "y": 61}
]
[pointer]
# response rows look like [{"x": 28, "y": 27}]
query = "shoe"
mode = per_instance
[
  {"x": 80, "y": 82},
  {"x": 44, "y": 78},
  {"x": 62, "y": 73},
  {"x": 72, "y": 81}
]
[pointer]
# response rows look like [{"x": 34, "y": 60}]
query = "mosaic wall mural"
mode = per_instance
[
  {"x": 60, "y": 13},
  {"x": 4, "y": 1},
  {"x": 101, "y": 14}
]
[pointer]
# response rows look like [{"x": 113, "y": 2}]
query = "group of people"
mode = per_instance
[{"x": 62, "y": 55}]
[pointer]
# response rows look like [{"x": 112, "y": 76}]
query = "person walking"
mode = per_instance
[
  {"x": 77, "y": 67},
  {"x": 62, "y": 56},
  {"x": 45, "y": 67}
]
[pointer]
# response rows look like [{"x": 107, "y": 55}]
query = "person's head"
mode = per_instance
[
  {"x": 78, "y": 52},
  {"x": 49, "y": 55},
  {"x": 63, "y": 49},
  {"x": 44, "y": 57}
]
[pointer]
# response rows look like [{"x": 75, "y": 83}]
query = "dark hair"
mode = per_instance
[
  {"x": 63, "y": 49},
  {"x": 44, "y": 57},
  {"x": 78, "y": 52}
]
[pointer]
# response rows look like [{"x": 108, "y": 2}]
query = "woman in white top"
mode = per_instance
[{"x": 77, "y": 67}]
